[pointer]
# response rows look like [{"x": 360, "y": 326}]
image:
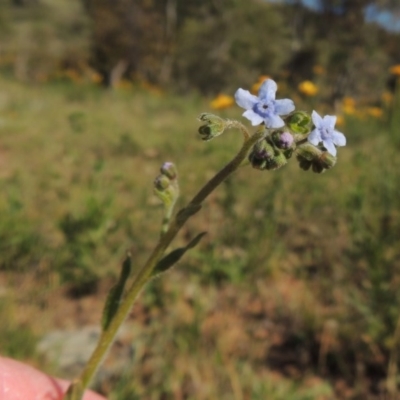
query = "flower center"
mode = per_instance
[
  {"x": 325, "y": 133},
  {"x": 264, "y": 108}
]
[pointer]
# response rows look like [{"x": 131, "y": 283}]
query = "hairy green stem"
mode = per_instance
[
  {"x": 231, "y": 123},
  {"x": 144, "y": 274}
]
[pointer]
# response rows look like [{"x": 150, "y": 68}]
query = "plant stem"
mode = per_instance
[{"x": 144, "y": 274}]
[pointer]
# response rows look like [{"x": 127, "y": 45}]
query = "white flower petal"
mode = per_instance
[
  {"x": 329, "y": 121},
  {"x": 268, "y": 90},
  {"x": 284, "y": 106},
  {"x": 328, "y": 144},
  {"x": 274, "y": 121},
  {"x": 338, "y": 138},
  {"x": 314, "y": 137},
  {"x": 316, "y": 118},
  {"x": 254, "y": 118},
  {"x": 245, "y": 99}
]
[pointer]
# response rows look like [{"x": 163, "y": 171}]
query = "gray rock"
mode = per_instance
[{"x": 69, "y": 351}]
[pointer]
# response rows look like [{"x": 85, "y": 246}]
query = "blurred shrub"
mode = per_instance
[
  {"x": 374, "y": 259},
  {"x": 212, "y": 46},
  {"x": 43, "y": 37},
  {"x": 128, "y": 36},
  {"x": 212, "y": 53},
  {"x": 20, "y": 244}
]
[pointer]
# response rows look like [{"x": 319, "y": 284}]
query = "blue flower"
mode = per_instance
[
  {"x": 264, "y": 108},
  {"x": 324, "y": 132}
]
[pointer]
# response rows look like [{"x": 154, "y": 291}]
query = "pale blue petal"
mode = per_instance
[
  {"x": 284, "y": 106},
  {"x": 316, "y": 119},
  {"x": 338, "y": 138},
  {"x": 254, "y": 118},
  {"x": 328, "y": 144},
  {"x": 245, "y": 99},
  {"x": 329, "y": 122},
  {"x": 314, "y": 137},
  {"x": 274, "y": 121},
  {"x": 268, "y": 90}
]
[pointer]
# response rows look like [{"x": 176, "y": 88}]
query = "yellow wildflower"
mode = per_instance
[
  {"x": 123, "y": 84},
  {"x": 318, "y": 70},
  {"x": 149, "y": 87},
  {"x": 95, "y": 77},
  {"x": 349, "y": 101},
  {"x": 375, "y": 112},
  {"x": 339, "y": 120},
  {"x": 222, "y": 101},
  {"x": 387, "y": 97},
  {"x": 349, "y": 105},
  {"x": 308, "y": 88},
  {"x": 395, "y": 70},
  {"x": 73, "y": 75}
]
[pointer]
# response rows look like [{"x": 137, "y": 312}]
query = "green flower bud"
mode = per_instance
[
  {"x": 260, "y": 154},
  {"x": 166, "y": 190},
  {"x": 323, "y": 162},
  {"x": 214, "y": 126},
  {"x": 299, "y": 122},
  {"x": 308, "y": 151},
  {"x": 327, "y": 160},
  {"x": 265, "y": 156},
  {"x": 278, "y": 161},
  {"x": 309, "y": 155},
  {"x": 288, "y": 153},
  {"x": 161, "y": 183},
  {"x": 318, "y": 168},
  {"x": 303, "y": 163}
]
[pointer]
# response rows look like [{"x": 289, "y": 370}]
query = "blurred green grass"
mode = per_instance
[{"x": 293, "y": 294}]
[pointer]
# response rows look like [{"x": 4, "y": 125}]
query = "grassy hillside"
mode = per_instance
[{"x": 293, "y": 294}]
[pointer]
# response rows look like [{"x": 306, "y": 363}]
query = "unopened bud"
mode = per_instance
[
  {"x": 261, "y": 154},
  {"x": 308, "y": 151},
  {"x": 265, "y": 156},
  {"x": 303, "y": 163},
  {"x": 166, "y": 190},
  {"x": 283, "y": 140},
  {"x": 169, "y": 170},
  {"x": 310, "y": 158},
  {"x": 327, "y": 160},
  {"x": 318, "y": 168},
  {"x": 162, "y": 182},
  {"x": 299, "y": 122},
  {"x": 278, "y": 161},
  {"x": 214, "y": 126}
]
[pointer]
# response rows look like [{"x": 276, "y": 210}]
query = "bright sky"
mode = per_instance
[{"x": 387, "y": 19}]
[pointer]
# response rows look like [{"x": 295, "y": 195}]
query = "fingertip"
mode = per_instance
[{"x": 19, "y": 381}]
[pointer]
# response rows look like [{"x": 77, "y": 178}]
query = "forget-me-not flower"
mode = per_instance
[
  {"x": 264, "y": 108},
  {"x": 325, "y": 132}
]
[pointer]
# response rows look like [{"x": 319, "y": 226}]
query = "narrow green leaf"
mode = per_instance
[
  {"x": 172, "y": 258},
  {"x": 115, "y": 294},
  {"x": 75, "y": 391}
]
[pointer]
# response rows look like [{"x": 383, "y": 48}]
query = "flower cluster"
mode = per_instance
[{"x": 311, "y": 137}]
